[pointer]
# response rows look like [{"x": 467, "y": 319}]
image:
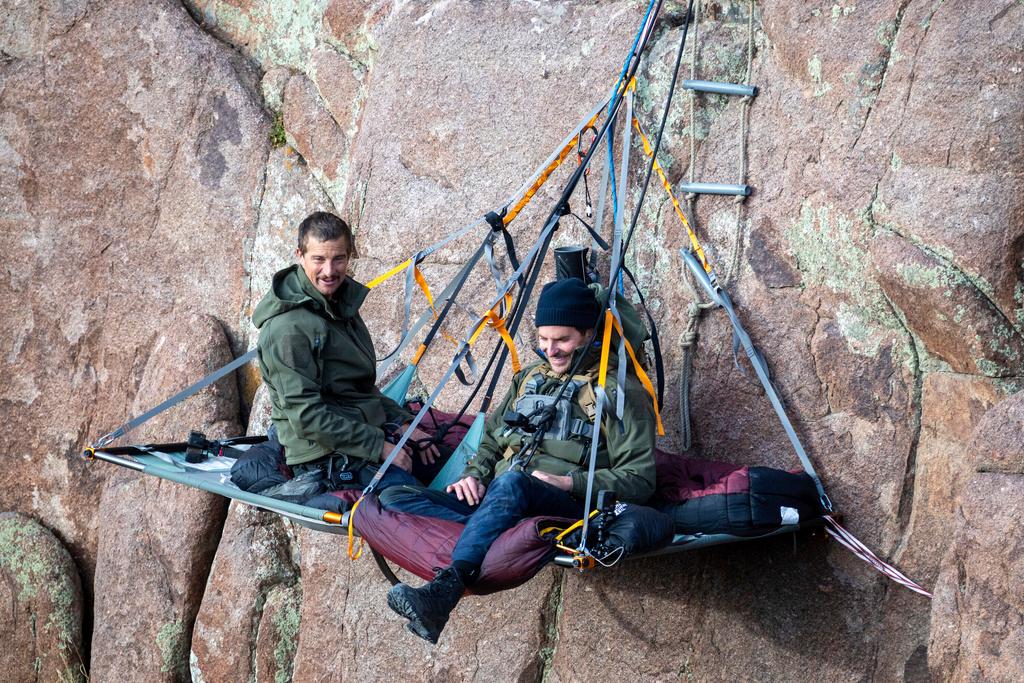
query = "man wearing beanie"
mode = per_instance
[{"x": 497, "y": 491}]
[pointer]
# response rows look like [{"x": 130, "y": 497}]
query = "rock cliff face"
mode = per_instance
[{"x": 879, "y": 264}]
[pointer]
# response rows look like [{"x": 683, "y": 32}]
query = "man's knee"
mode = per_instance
[
  {"x": 396, "y": 497},
  {"x": 511, "y": 482}
]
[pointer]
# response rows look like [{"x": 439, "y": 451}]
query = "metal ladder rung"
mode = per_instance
[
  {"x": 722, "y": 88},
  {"x": 716, "y": 188}
]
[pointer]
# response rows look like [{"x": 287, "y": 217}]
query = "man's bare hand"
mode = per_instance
[
  {"x": 403, "y": 460},
  {"x": 429, "y": 453},
  {"x": 468, "y": 489},
  {"x": 559, "y": 482}
]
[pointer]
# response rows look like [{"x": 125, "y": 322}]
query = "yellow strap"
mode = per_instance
[
  {"x": 545, "y": 174},
  {"x": 606, "y": 342},
  {"x": 567, "y": 530},
  {"x": 649, "y": 151},
  {"x": 641, "y": 375},
  {"x": 394, "y": 271},
  {"x": 351, "y": 533}
]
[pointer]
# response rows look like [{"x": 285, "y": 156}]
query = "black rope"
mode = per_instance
[
  {"x": 659, "y": 363},
  {"x": 657, "y": 141}
]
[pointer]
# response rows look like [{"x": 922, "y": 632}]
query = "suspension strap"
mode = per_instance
[
  {"x": 107, "y": 439},
  {"x": 721, "y": 297},
  {"x": 495, "y": 321},
  {"x": 659, "y": 362},
  {"x": 460, "y": 355},
  {"x": 551, "y": 167}
]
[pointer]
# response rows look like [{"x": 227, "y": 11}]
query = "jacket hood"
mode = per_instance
[{"x": 292, "y": 289}]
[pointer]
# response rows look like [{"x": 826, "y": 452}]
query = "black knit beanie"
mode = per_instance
[{"x": 567, "y": 302}]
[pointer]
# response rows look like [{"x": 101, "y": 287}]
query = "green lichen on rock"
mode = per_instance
[
  {"x": 31, "y": 556},
  {"x": 821, "y": 86},
  {"x": 822, "y": 242},
  {"x": 286, "y": 622},
  {"x": 828, "y": 255},
  {"x": 283, "y": 32},
  {"x": 839, "y": 11},
  {"x": 930, "y": 276},
  {"x": 17, "y": 556},
  {"x": 1018, "y": 298},
  {"x": 170, "y": 639}
]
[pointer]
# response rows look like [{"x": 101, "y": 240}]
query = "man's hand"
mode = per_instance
[
  {"x": 559, "y": 482},
  {"x": 468, "y": 489},
  {"x": 403, "y": 460},
  {"x": 429, "y": 453}
]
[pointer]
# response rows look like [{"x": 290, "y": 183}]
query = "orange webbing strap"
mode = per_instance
[
  {"x": 351, "y": 533},
  {"x": 422, "y": 282},
  {"x": 394, "y": 271},
  {"x": 417, "y": 273},
  {"x": 640, "y": 373},
  {"x": 419, "y": 354},
  {"x": 606, "y": 343},
  {"x": 648, "y": 150},
  {"x": 424, "y": 287},
  {"x": 546, "y": 173},
  {"x": 494, "y": 320}
]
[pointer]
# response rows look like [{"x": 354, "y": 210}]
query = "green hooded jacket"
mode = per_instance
[
  {"x": 625, "y": 455},
  {"x": 318, "y": 362}
]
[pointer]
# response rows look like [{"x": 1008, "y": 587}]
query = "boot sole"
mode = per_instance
[{"x": 404, "y": 608}]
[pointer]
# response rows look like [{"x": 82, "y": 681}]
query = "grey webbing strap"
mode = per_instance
[
  {"x": 174, "y": 400},
  {"x": 491, "y": 263},
  {"x": 720, "y": 297},
  {"x": 595, "y": 440},
  {"x": 617, "y": 256},
  {"x": 473, "y": 370},
  {"x": 459, "y": 356},
  {"x": 428, "y": 315},
  {"x": 410, "y": 280},
  {"x": 577, "y": 130}
]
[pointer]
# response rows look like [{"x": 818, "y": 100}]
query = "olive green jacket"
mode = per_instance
[
  {"x": 318, "y": 363},
  {"x": 625, "y": 455}
]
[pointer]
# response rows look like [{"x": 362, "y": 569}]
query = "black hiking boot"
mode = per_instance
[{"x": 427, "y": 607}]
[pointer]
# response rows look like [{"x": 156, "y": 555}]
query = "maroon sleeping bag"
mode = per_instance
[
  {"x": 423, "y": 544},
  {"x": 701, "y": 496}
]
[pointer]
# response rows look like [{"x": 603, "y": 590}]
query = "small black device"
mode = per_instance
[{"x": 198, "y": 445}]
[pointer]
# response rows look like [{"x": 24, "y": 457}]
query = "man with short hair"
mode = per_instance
[
  {"x": 319, "y": 365},
  {"x": 496, "y": 492}
]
